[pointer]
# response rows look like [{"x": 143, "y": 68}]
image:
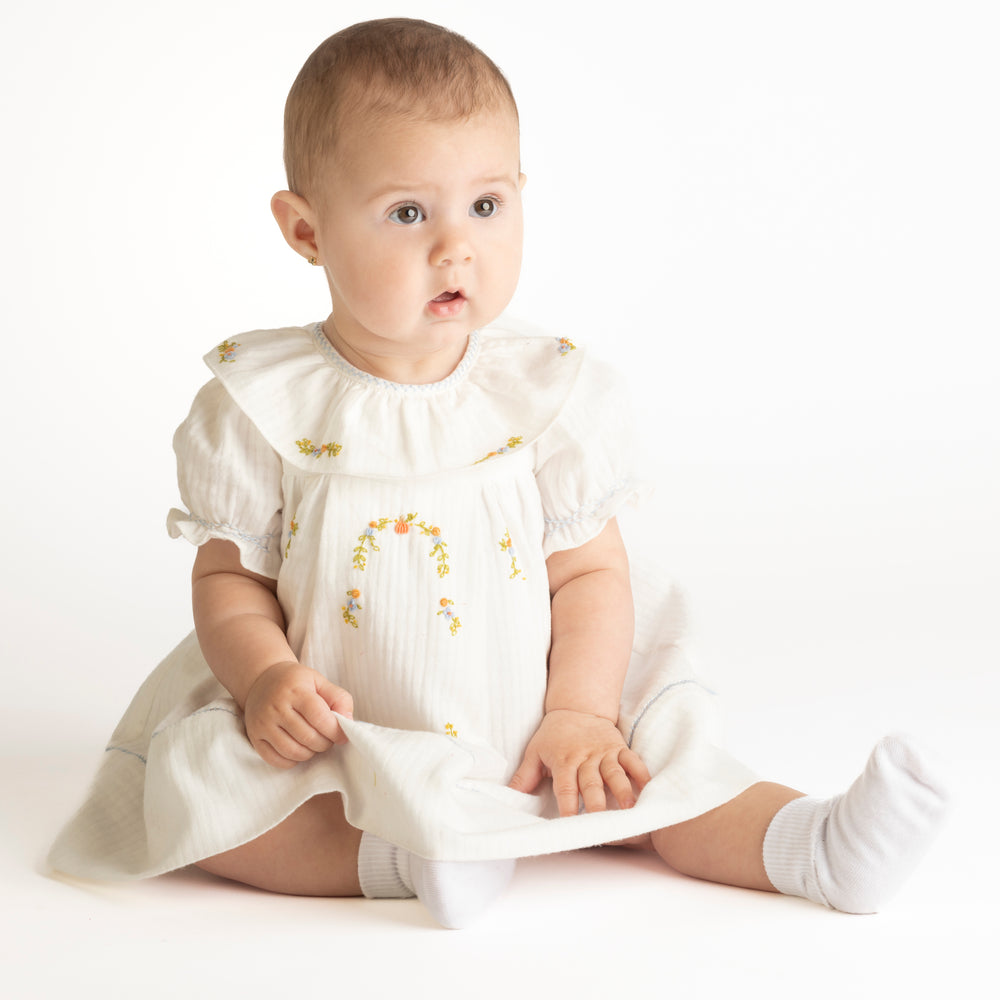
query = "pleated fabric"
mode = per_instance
[{"x": 407, "y": 528}]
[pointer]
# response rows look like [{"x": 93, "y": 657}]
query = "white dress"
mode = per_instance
[{"x": 407, "y": 527}]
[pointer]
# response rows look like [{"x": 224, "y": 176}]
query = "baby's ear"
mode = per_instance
[{"x": 296, "y": 220}]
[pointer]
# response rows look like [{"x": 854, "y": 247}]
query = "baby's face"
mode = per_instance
[{"x": 420, "y": 229}]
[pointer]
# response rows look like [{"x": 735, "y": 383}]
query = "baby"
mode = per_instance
[{"x": 421, "y": 651}]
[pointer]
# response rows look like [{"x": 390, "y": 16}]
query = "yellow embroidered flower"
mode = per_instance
[
  {"x": 448, "y": 610},
  {"x": 512, "y": 442},
  {"x": 352, "y": 606},
  {"x": 316, "y": 451},
  {"x": 227, "y": 351},
  {"x": 506, "y": 545}
]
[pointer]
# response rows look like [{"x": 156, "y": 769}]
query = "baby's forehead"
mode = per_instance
[
  {"x": 365, "y": 121},
  {"x": 389, "y": 153},
  {"x": 377, "y": 103}
]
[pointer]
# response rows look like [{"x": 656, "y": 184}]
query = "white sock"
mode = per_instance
[
  {"x": 852, "y": 852},
  {"x": 454, "y": 892}
]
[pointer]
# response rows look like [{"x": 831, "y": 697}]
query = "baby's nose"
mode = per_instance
[{"x": 452, "y": 247}]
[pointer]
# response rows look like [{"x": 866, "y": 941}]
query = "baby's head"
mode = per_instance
[
  {"x": 403, "y": 158},
  {"x": 392, "y": 68}
]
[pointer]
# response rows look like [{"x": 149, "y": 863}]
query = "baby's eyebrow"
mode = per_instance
[
  {"x": 497, "y": 179},
  {"x": 408, "y": 189},
  {"x": 395, "y": 188}
]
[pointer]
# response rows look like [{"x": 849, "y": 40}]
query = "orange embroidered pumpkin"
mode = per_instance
[{"x": 401, "y": 527}]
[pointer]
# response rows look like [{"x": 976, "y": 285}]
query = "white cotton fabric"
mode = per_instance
[{"x": 407, "y": 527}]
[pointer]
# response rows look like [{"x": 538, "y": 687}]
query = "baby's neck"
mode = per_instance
[{"x": 393, "y": 363}]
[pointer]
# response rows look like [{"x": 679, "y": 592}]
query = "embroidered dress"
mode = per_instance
[{"x": 407, "y": 527}]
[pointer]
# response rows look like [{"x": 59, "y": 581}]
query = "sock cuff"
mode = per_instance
[
  {"x": 378, "y": 869},
  {"x": 790, "y": 845}
]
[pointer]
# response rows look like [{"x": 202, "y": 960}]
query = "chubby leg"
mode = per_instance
[
  {"x": 314, "y": 852},
  {"x": 850, "y": 852},
  {"x": 726, "y": 844}
]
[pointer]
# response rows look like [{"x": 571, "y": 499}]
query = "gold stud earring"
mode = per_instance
[{"x": 313, "y": 261}]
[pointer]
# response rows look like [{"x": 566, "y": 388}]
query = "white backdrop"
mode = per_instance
[{"x": 780, "y": 218}]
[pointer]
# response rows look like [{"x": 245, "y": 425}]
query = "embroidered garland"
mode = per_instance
[
  {"x": 401, "y": 526},
  {"x": 308, "y": 448},
  {"x": 512, "y": 442},
  {"x": 507, "y": 546}
]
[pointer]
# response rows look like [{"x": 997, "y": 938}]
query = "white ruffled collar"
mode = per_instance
[
  {"x": 324, "y": 415},
  {"x": 345, "y": 367}
]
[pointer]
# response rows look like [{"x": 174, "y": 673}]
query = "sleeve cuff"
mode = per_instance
[
  {"x": 258, "y": 553},
  {"x": 587, "y": 521}
]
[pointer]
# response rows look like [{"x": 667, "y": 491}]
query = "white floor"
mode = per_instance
[
  {"x": 784, "y": 231},
  {"x": 582, "y": 924}
]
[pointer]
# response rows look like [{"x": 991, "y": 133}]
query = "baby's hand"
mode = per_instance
[
  {"x": 289, "y": 714},
  {"x": 583, "y": 754}
]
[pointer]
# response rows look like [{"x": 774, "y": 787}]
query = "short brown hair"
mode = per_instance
[{"x": 391, "y": 66}]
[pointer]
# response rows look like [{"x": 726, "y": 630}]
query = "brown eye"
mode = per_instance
[
  {"x": 484, "y": 208},
  {"x": 406, "y": 215}
]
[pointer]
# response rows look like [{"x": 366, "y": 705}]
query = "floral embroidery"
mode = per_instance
[
  {"x": 450, "y": 730},
  {"x": 512, "y": 442},
  {"x": 565, "y": 346},
  {"x": 352, "y": 606},
  {"x": 227, "y": 351},
  {"x": 293, "y": 530},
  {"x": 448, "y": 610},
  {"x": 308, "y": 448},
  {"x": 439, "y": 551},
  {"x": 367, "y": 540},
  {"x": 508, "y": 546},
  {"x": 401, "y": 525}
]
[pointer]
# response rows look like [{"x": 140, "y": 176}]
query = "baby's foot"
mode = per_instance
[
  {"x": 454, "y": 892},
  {"x": 852, "y": 852}
]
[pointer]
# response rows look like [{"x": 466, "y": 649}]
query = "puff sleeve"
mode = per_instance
[
  {"x": 230, "y": 481},
  {"x": 584, "y": 464}
]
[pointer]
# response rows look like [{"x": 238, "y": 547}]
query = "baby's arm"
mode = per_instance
[
  {"x": 578, "y": 742},
  {"x": 288, "y": 708}
]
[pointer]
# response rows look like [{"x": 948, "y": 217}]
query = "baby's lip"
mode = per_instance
[{"x": 449, "y": 303}]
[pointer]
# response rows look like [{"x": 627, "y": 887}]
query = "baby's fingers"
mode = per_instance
[
  {"x": 269, "y": 755},
  {"x": 635, "y": 767},
  {"x": 566, "y": 784},
  {"x": 320, "y": 726},
  {"x": 312, "y": 738},
  {"x": 280, "y": 750},
  {"x": 592, "y": 780},
  {"x": 528, "y": 775},
  {"x": 616, "y": 778},
  {"x": 335, "y": 698}
]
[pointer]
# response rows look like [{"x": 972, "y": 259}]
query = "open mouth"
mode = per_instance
[{"x": 447, "y": 304}]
